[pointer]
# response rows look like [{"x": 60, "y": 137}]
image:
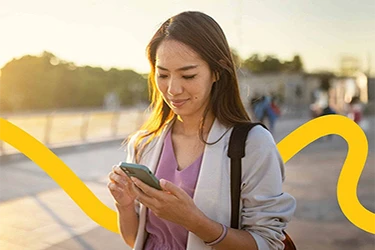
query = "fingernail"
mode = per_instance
[{"x": 162, "y": 182}]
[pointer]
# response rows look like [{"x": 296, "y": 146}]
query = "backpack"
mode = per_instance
[{"x": 236, "y": 151}]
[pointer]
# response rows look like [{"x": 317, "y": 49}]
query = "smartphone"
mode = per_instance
[{"x": 141, "y": 172}]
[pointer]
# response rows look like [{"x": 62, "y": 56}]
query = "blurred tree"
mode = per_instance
[
  {"x": 25, "y": 84},
  {"x": 46, "y": 82},
  {"x": 271, "y": 64},
  {"x": 254, "y": 64},
  {"x": 295, "y": 65}
]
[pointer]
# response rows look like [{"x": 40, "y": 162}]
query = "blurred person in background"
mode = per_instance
[
  {"x": 266, "y": 110},
  {"x": 259, "y": 106},
  {"x": 273, "y": 113},
  {"x": 327, "y": 110},
  {"x": 355, "y": 110}
]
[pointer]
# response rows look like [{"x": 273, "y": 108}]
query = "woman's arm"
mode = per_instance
[
  {"x": 265, "y": 208},
  {"x": 122, "y": 190},
  {"x": 128, "y": 223},
  {"x": 209, "y": 230}
]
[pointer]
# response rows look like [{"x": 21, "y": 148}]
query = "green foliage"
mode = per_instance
[
  {"x": 270, "y": 64},
  {"x": 46, "y": 82}
]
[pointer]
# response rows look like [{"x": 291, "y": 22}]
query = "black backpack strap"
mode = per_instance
[{"x": 236, "y": 151}]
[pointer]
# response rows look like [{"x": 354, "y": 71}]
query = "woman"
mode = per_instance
[{"x": 195, "y": 103}]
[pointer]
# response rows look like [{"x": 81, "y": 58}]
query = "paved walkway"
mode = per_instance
[{"x": 35, "y": 214}]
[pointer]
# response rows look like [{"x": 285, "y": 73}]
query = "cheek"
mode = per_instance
[
  {"x": 204, "y": 92},
  {"x": 160, "y": 86}
]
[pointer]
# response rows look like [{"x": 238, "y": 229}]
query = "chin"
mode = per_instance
[{"x": 181, "y": 112}]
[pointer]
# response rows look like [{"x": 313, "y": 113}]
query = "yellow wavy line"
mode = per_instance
[
  {"x": 353, "y": 165},
  {"x": 60, "y": 173},
  {"x": 288, "y": 147}
]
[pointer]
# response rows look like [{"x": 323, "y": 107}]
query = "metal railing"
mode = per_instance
[{"x": 63, "y": 128}]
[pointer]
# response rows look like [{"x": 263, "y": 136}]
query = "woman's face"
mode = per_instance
[{"x": 183, "y": 78}]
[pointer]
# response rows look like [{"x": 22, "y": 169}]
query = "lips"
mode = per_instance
[{"x": 178, "y": 102}]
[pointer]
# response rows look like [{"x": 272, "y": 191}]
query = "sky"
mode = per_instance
[{"x": 114, "y": 33}]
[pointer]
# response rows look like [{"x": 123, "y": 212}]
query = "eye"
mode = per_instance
[
  {"x": 162, "y": 76},
  {"x": 189, "y": 77}
]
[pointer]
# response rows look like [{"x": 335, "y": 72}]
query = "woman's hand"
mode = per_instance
[
  {"x": 172, "y": 204},
  {"x": 121, "y": 187},
  {"x": 175, "y": 205}
]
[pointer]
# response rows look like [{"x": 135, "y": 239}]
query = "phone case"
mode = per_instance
[{"x": 141, "y": 172}]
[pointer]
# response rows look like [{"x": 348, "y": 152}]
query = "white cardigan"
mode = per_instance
[{"x": 265, "y": 209}]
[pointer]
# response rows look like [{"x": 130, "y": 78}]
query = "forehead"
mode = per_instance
[{"x": 173, "y": 54}]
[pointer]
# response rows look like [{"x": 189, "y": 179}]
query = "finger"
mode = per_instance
[
  {"x": 131, "y": 187},
  {"x": 127, "y": 178},
  {"x": 149, "y": 191},
  {"x": 172, "y": 188},
  {"x": 113, "y": 187},
  {"x": 110, "y": 176},
  {"x": 144, "y": 192},
  {"x": 119, "y": 180},
  {"x": 117, "y": 169},
  {"x": 143, "y": 198}
]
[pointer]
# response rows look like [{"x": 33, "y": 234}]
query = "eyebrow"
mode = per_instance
[{"x": 185, "y": 68}]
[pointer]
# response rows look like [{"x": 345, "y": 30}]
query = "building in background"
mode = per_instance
[
  {"x": 293, "y": 90},
  {"x": 297, "y": 91}
]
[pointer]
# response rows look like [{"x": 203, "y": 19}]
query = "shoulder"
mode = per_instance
[
  {"x": 130, "y": 144},
  {"x": 258, "y": 136},
  {"x": 134, "y": 137},
  {"x": 259, "y": 142},
  {"x": 261, "y": 154}
]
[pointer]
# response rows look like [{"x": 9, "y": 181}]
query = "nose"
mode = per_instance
[{"x": 175, "y": 87}]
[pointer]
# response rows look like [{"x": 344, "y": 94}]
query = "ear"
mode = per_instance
[
  {"x": 215, "y": 76},
  {"x": 217, "y": 72}
]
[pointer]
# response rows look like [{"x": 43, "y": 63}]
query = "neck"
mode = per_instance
[{"x": 189, "y": 126}]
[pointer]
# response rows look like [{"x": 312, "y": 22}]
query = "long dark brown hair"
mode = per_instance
[{"x": 202, "y": 34}]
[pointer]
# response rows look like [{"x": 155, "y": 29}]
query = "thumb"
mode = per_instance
[{"x": 171, "y": 188}]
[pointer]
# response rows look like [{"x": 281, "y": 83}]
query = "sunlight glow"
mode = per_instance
[{"x": 115, "y": 33}]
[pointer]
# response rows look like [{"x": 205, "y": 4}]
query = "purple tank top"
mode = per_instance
[{"x": 165, "y": 235}]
